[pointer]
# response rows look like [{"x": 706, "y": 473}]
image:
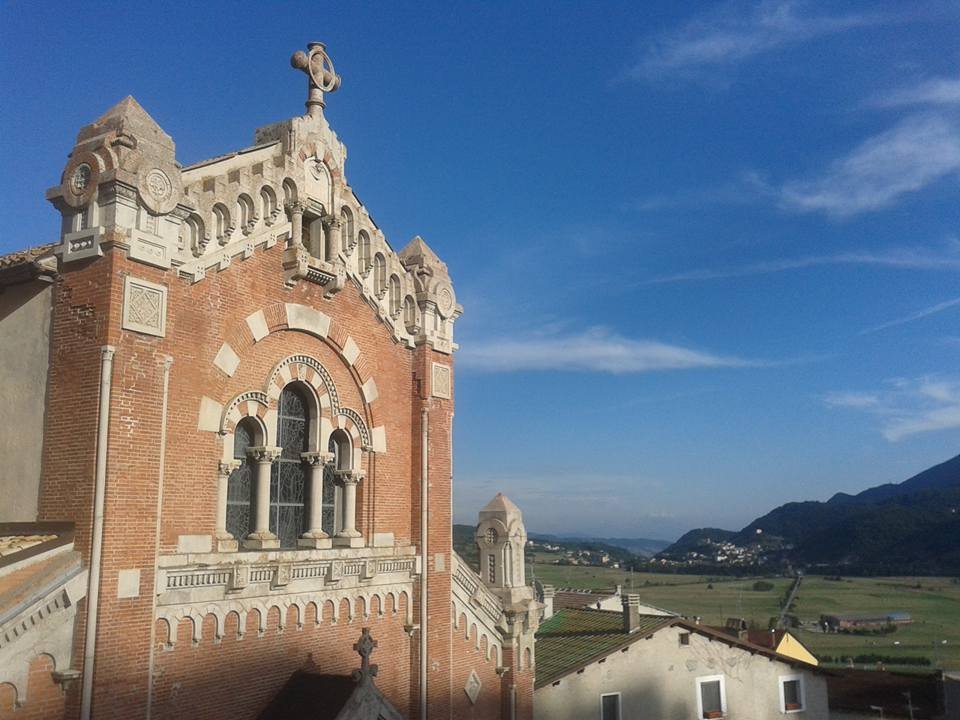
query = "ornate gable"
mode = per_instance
[{"x": 123, "y": 188}]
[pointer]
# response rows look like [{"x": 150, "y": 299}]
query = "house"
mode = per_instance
[
  {"x": 578, "y": 599},
  {"x": 233, "y": 402},
  {"x": 627, "y": 666},
  {"x": 838, "y": 623},
  {"x": 783, "y": 642}
]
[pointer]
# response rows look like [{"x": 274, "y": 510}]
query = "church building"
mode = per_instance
[{"x": 228, "y": 478}]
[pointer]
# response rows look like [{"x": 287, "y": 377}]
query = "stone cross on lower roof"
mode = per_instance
[
  {"x": 321, "y": 77},
  {"x": 365, "y": 647}
]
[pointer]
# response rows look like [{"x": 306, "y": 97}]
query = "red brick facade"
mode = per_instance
[{"x": 178, "y": 643}]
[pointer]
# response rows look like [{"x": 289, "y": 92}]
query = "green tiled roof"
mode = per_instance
[{"x": 571, "y": 639}]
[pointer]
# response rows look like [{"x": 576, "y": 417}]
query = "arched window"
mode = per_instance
[
  {"x": 268, "y": 204},
  {"x": 289, "y": 191},
  {"x": 240, "y": 485},
  {"x": 246, "y": 213},
  {"x": 192, "y": 234},
  {"x": 342, "y": 450},
  {"x": 346, "y": 230},
  {"x": 394, "y": 296},
  {"x": 379, "y": 275},
  {"x": 410, "y": 314},
  {"x": 363, "y": 253},
  {"x": 288, "y": 475},
  {"x": 221, "y": 221}
]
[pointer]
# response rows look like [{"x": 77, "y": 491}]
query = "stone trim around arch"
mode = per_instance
[
  {"x": 215, "y": 417},
  {"x": 288, "y": 316},
  {"x": 262, "y": 405}
]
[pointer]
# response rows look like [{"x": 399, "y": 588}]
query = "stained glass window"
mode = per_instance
[
  {"x": 240, "y": 484},
  {"x": 340, "y": 447},
  {"x": 288, "y": 475}
]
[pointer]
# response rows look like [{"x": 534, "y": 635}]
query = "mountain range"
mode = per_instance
[{"x": 912, "y": 527}]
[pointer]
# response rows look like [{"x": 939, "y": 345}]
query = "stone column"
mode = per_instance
[
  {"x": 296, "y": 223},
  {"x": 349, "y": 536},
  {"x": 225, "y": 541},
  {"x": 315, "y": 537},
  {"x": 331, "y": 241},
  {"x": 261, "y": 538}
]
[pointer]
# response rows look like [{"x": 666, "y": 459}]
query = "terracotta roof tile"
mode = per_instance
[
  {"x": 22, "y": 257},
  {"x": 573, "y": 638}
]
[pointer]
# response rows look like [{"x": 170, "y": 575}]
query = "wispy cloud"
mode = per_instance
[
  {"x": 595, "y": 350},
  {"x": 934, "y": 91},
  {"x": 919, "y": 315},
  {"x": 897, "y": 258},
  {"x": 859, "y": 400},
  {"x": 749, "y": 188},
  {"x": 907, "y": 407},
  {"x": 738, "y": 31},
  {"x": 918, "y": 151}
]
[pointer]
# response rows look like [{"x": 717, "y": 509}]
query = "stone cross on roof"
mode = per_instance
[
  {"x": 321, "y": 77},
  {"x": 365, "y": 647}
]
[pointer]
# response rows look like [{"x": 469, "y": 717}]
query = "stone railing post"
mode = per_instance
[
  {"x": 315, "y": 537},
  {"x": 261, "y": 538}
]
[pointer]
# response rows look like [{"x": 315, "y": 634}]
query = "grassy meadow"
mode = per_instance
[{"x": 934, "y": 604}]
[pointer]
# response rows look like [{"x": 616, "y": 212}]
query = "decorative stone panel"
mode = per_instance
[
  {"x": 472, "y": 688},
  {"x": 144, "y": 307},
  {"x": 440, "y": 382}
]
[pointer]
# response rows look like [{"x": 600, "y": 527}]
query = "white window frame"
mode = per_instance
[
  {"x": 619, "y": 704},
  {"x": 803, "y": 694},
  {"x": 723, "y": 694}
]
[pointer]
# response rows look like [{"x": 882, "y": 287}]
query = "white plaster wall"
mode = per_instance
[
  {"x": 657, "y": 679},
  {"x": 24, "y": 360}
]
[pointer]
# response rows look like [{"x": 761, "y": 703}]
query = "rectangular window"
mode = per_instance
[
  {"x": 711, "y": 697},
  {"x": 791, "y": 694},
  {"x": 684, "y": 638},
  {"x": 492, "y": 568},
  {"x": 610, "y": 707}
]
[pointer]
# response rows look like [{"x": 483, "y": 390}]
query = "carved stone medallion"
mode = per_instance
[
  {"x": 446, "y": 301},
  {"x": 157, "y": 191}
]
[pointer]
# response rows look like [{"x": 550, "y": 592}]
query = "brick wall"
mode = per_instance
[
  {"x": 200, "y": 317},
  {"x": 236, "y": 676},
  {"x": 44, "y": 699}
]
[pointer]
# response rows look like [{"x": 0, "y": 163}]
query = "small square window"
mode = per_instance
[
  {"x": 711, "y": 697},
  {"x": 610, "y": 707},
  {"x": 791, "y": 694},
  {"x": 684, "y": 638}
]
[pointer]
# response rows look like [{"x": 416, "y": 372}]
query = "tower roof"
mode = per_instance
[
  {"x": 129, "y": 118},
  {"x": 501, "y": 503}
]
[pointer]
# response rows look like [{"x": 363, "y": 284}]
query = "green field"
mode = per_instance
[{"x": 934, "y": 604}]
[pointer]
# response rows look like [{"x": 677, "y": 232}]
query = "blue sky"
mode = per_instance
[{"x": 709, "y": 252}]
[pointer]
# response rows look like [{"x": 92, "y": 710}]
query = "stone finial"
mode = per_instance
[{"x": 320, "y": 73}]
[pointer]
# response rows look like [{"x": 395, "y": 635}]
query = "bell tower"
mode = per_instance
[{"x": 501, "y": 539}]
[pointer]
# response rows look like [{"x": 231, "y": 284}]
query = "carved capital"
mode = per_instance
[
  {"x": 295, "y": 207},
  {"x": 317, "y": 458},
  {"x": 348, "y": 477},
  {"x": 330, "y": 222},
  {"x": 226, "y": 468},
  {"x": 263, "y": 453}
]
